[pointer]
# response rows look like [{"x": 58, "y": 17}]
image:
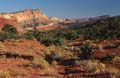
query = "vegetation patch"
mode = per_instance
[
  {"x": 5, "y": 74},
  {"x": 39, "y": 61},
  {"x": 91, "y": 66}
]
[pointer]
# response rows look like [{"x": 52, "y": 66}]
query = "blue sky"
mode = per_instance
[{"x": 65, "y": 8}]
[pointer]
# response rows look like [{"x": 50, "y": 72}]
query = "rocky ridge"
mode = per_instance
[{"x": 28, "y": 18}]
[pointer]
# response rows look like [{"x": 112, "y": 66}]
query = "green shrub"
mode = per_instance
[
  {"x": 71, "y": 35},
  {"x": 60, "y": 42},
  {"x": 48, "y": 38},
  {"x": 54, "y": 56},
  {"x": 7, "y": 36},
  {"x": 91, "y": 66},
  {"x": 116, "y": 59},
  {"x": 86, "y": 51},
  {"x": 10, "y": 32},
  {"x": 108, "y": 57},
  {"x": 57, "y": 53},
  {"x": 9, "y": 29},
  {"x": 28, "y": 36},
  {"x": 3, "y": 36},
  {"x": 39, "y": 61},
  {"x": 113, "y": 72}
]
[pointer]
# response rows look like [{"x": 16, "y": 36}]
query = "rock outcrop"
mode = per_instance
[
  {"x": 27, "y": 19},
  {"x": 13, "y": 22}
]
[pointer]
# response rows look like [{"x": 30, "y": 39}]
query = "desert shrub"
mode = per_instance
[
  {"x": 110, "y": 45},
  {"x": 10, "y": 32},
  {"x": 53, "y": 41},
  {"x": 19, "y": 72},
  {"x": 9, "y": 29},
  {"x": 91, "y": 66},
  {"x": 113, "y": 72},
  {"x": 54, "y": 62},
  {"x": 39, "y": 61},
  {"x": 67, "y": 34},
  {"x": 116, "y": 59},
  {"x": 2, "y": 36},
  {"x": 49, "y": 49},
  {"x": 54, "y": 56},
  {"x": 108, "y": 57},
  {"x": 57, "y": 53},
  {"x": 48, "y": 38},
  {"x": 4, "y": 74},
  {"x": 28, "y": 36},
  {"x": 7, "y": 36},
  {"x": 60, "y": 41},
  {"x": 50, "y": 72},
  {"x": 12, "y": 36},
  {"x": 86, "y": 51},
  {"x": 100, "y": 47},
  {"x": 69, "y": 55},
  {"x": 71, "y": 35}
]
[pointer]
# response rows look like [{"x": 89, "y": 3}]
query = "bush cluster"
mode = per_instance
[
  {"x": 48, "y": 38},
  {"x": 9, "y": 29},
  {"x": 9, "y": 32},
  {"x": 91, "y": 66},
  {"x": 99, "y": 29},
  {"x": 39, "y": 61},
  {"x": 86, "y": 51}
]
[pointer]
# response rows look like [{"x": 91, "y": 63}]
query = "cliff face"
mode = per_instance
[
  {"x": 27, "y": 17},
  {"x": 30, "y": 14},
  {"x": 13, "y": 22}
]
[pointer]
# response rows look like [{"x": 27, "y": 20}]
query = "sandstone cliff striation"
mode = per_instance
[
  {"x": 27, "y": 16},
  {"x": 27, "y": 19}
]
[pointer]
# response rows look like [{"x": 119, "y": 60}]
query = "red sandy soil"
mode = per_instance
[
  {"x": 105, "y": 52},
  {"x": 19, "y": 68},
  {"x": 114, "y": 51},
  {"x": 22, "y": 47}
]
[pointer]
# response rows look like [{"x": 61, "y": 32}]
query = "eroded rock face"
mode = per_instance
[
  {"x": 13, "y": 22},
  {"x": 30, "y": 14},
  {"x": 26, "y": 17}
]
